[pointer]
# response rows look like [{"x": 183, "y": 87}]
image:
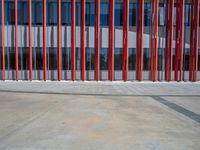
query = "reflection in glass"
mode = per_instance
[
  {"x": 90, "y": 59},
  {"x": 23, "y": 58},
  {"x": 10, "y": 58},
  {"x": 37, "y": 9},
  {"x": 51, "y": 13},
  {"x": 103, "y": 59},
  {"x": 37, "y": 58},
  {"x": 23, "y": 12},
  {"x": 146, "y": 59},
  {"x": 118, "y": 14},
  {"x": 66, "y": 13},
  {"x": 118, "y": 59},
  {"x": 66, "y": 58},
  {"x": 90, "y": 14},
  {"x": 132, "y": 58},
  {"x": 104, "y": 14},
  {"x": 52, "y": 58},
  {"x": 132, "y": 14}
]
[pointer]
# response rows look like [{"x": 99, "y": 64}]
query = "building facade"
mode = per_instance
[{"x": 153, "y": 40}]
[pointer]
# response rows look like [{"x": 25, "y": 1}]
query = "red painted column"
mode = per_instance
[
  {"x": 2, "y": 40},
  {"x": 83, "y": 52},
  {"x": 154, "y": 41},
  {"x": 125, "y": 40},
  {"x": 44, "y": 42},
  {"x": 194, "y": 29},
  {"x": 16, "y": 40},
  {"x": 111, "y": 42},
  {"x": 178, "y": 62},
  {"x": 59, "y": 46},
  {"x": 139, "y": 45},
  {"x": 97, "y": 41},
  {"x": 30, "y": 38},
  {"x": 169, "y": 39},
  {"x": 73, "y": 40}
]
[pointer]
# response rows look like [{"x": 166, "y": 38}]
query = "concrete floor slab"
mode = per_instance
[{"x": 39, "y": 121}]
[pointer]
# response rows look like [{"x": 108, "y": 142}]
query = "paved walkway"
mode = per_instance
[
  {"x": 99, "y": 116},
  {"x": 104, "y": 88}
]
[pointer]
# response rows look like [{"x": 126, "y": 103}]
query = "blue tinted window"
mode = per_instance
[
  {"x": 37, "y": 13},
  {"x": 118, "y": 59},
  {"x": 147, "y": 14},
  {"x": 90, "y": 14},
  {"x": 132, "y": 59},
  {"x": 162, "y": 14},
  {"x": 78, "y": 13},
  {"x": 9, "y": 13},
  {"x": 23, "y": 13},
  {"x": 104, "y": 14},
  {"x": 132, "y": 14},
  {"x": 51, "y": 13},
  {"x": 104, "y": 59},
  {"x": 187, "y": 14},
  {"x": 118, "y": 14},
  {"x": 66, "y": 13},
  {"x": 90, "y": 59}
]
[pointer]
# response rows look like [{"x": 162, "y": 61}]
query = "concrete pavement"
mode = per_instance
[{"x": 32, "y": 117}]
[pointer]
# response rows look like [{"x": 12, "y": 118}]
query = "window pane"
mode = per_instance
[
  {"x": 187, "y": 14},
  {"x": 37, "y": 9},
  {"x": 186, "y": 59},
  {"x": 118, "y": 59},
  {"x": 104, "y": 59},
  {"x": 147, "y": 14},
  {"x": 23, "y": 12},
  {"x": 10, "y": 58},
  {"x": 78, "y": 58},
  {"x": 23, "y": 58},
  {"x": 66, "y": 11},
  {"x": 132, "y": 58},
  {"x": 37, "y": 58},
  {"x": 9, "y": 13},
  {"x": 78, "y": 13},
  {"x": 118, "y": 14},
  {"x": 90, "y": 59},
  {"x": 66, "y": 58},
  {"x": 161, "y": 14},
  {"x": 104, "y": 14},
  {"x": 160, "y": 59},
  {"x": 146, "y": 64},
  {"x": 52, "y": 58},
  {"x": 90, "y": 14},
  {"x": 132, "y": 14},
  {"x": 51, "y": 13}
]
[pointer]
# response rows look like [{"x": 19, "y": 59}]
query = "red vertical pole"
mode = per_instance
[
  {"x": 73, "y": 40},
  {"x": 59, "y": 40},
  {"x": 44, "y": 42},
  {"x": 194, "y": 29},
  {"x": 2, "y": 40},
  {"x": 16, "y": 39},
  {"x": 125, "y": 40},
  {"x": 139, "y": 45},
  {"x": 154, "y": 41},
  {"x": 178, "y": 62},
  {"x": 111, "y": 42},
  {"x": 97, "y": 41},
  {"x": 169, "y": 38},
  {"x": 30, "y": 38},
  {"x": 83, "y": 59}
]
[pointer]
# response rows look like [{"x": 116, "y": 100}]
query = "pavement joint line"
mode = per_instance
[
  {"x": 96, "y": 94},
  {"x": 194, "y": 116}
]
